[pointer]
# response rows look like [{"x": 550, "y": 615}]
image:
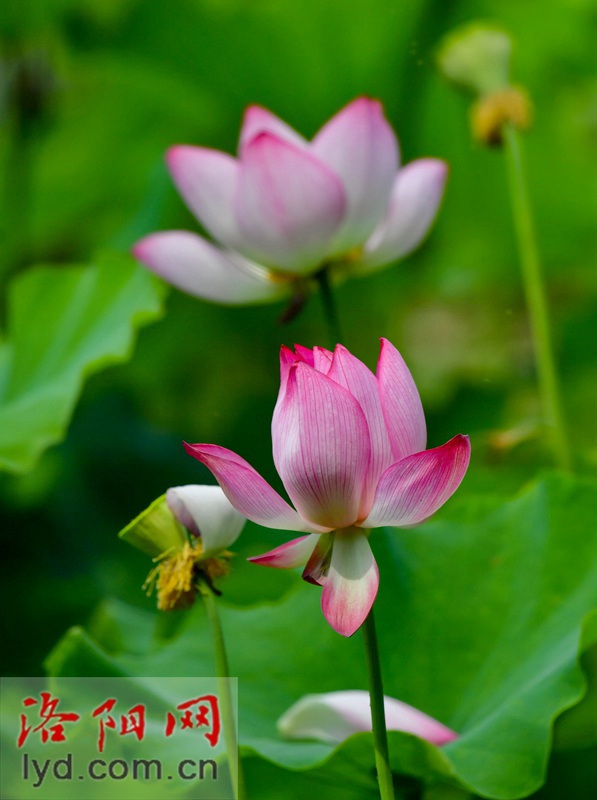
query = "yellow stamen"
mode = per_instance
[
  {"x": 175, "y": 576},
  {"x": 492, "y": 111}
]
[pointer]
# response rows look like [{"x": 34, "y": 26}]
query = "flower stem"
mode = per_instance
[
  {"x": 380, "y": 737},
  {"x": 329, "y": 306},
  {"x": 228, "y": 718},
  {"x": 536, "y": 299}
]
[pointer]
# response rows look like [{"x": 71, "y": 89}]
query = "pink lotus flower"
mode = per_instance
[
  {"x": 334, "y": 716},
  {"x": 349, "y": 447},
  {"x": 287, "y": 207}
]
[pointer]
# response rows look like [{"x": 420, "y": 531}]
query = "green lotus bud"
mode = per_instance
[
  {"x": 156, "y": 530},
  {"x": 477, "y": 58}
]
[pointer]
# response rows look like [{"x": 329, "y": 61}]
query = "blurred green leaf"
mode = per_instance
[
  {"x": 64, "y": 324},
  {"x": 481, "y": 619}
]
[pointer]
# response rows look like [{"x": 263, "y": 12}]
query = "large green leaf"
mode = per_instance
[
  {"x": 480, "y": 616},
  {"x": 64, "y": 324}
]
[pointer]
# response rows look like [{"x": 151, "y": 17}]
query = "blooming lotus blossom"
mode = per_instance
[
  {"x": 287, "y": 207},
  {"x": 349, "y": 447},
  {"x": 187, "y": 532},
  {"x": 335, "y": 716}
]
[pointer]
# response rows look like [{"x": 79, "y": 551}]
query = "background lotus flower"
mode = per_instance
[
  {"x": 334, "y": 716},
  {"x": 350, "y": 449},
  {"x": 287, "y": 207},
  {"x": 162, "y": 531}
]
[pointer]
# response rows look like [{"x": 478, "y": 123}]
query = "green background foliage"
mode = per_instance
[
  {"x": 86, "y": 316},
  {"x": 103, "y": 88}
]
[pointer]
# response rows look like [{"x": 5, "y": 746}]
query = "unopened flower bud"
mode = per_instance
[{"x": 476, "y": 57}]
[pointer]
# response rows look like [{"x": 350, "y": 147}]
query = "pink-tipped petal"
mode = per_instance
[
  {"x": 316, "y": 568},
  {"x": 206, "y": 512},
  {"x": 401, "y": 403},
  {"x": 352, "y": 580},
  {"x": 360, "y": 146},
  {"x": 318, "y": 357},
  {"x": 207, "y": 181},
  {"x": 289, "y": 204},
  {"x": 410, "y": 491},
  {"x": 287, "y": 356},
  {"x": 321, "y": 447},
  {"x": 416, "y": 196},
  {"x": 353, "y": 375},
  {"x": 334, "y": 716},
  {"x": 304, "y": 354},
  {"x": 259, "y": 120},
  {"x": 291, "y": 554},
  {"x": 402, "y": 717},
  {"x": 322, "y": 359},
  {"x": 287, "y": 359},
  {"x": 195, "y": 266},
  {"x": 249, "y": 493}
]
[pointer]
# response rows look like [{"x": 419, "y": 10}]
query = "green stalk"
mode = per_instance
[
  {"x": 228, "y": 718},
  {"x": 329, "y": 306},
  {"x": 378, "y": 716},
  {"x": 536, "y": 299}
]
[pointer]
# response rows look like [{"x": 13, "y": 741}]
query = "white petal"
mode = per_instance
[
  {"x": 196, "y": 266},
  {"x": 207, "y": 512},
  {"x": 351, "y": 583},
  {"x": 416, "y": 197},
  {"x": 207, "y": 181},
  {"x": 334, "y": 716}
]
